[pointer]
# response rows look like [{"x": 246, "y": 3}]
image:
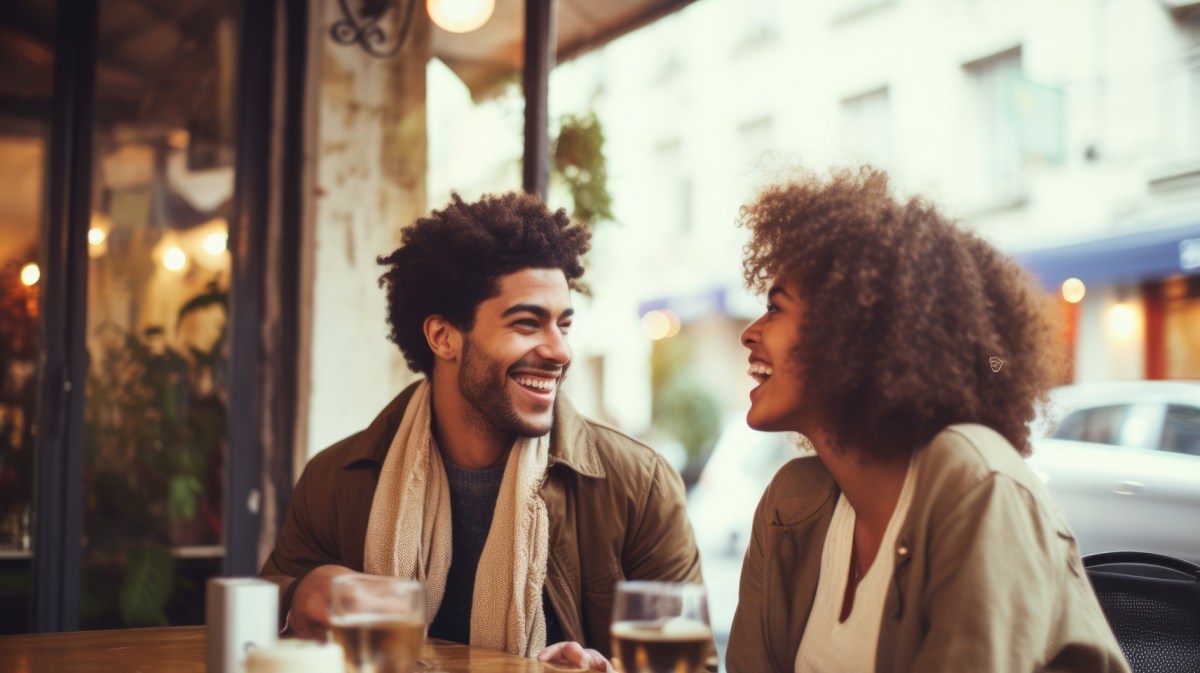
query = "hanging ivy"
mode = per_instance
[{"x": 578, "y": 160}]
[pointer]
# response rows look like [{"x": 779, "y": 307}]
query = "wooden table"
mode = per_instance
[{"x": 180, "y": 649}]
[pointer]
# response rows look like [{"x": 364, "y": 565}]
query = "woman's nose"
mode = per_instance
[{"x": 750, "y": 335}]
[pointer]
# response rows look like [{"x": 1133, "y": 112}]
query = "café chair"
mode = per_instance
[{"x": 1152, "y": 603}]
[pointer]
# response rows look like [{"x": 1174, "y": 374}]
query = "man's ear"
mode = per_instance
[{"x": 444, "y": 339}]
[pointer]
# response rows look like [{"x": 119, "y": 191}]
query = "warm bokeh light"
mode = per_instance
[
  {"x": 676, "y": 325},
  {"x": 460, "y": 16},
  {"x": 662, "y": 324},
  {"x": 174, "y": 258},
  {"x": 656, "y": 325},
  {"x": 1122, "y": 320},
  {"x": 96, "y": 236},
  {"x": 215, "y": 244},
  {"x": 30, "y": 274},
  {"x": 1073, "y": 290}
]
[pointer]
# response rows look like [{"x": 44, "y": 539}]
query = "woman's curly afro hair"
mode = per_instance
[
  {"x": 450, "y": 262},
  {"x": 905, "y": 311}
]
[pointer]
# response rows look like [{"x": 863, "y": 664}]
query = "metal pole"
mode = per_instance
[
  {"x": 252, "y": 194},
  {"x": 540, "y": 19},
  {"x": 58, "y": 498}
]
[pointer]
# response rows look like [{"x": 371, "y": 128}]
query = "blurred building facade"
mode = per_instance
[{"x": 1067, "y": 133}]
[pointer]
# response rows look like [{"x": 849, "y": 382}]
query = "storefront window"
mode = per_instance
[
  {"x": 158, "y": 309},
  {"x": 26, "y": 59}
]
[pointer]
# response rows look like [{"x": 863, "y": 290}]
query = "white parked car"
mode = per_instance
[{"x": 1122, "y": 461}]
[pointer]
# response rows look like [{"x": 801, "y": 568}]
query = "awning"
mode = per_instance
[
  {"x": 1132, "y": 257},
  {"x": 486, "y": 57}
]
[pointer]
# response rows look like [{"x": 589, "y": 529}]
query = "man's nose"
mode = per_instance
[{"x": 555, "y": 348}]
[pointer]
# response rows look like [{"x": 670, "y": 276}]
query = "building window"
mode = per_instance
[
  {"x": 761, "y": 20},
  {"x": 848, "y": 10},
  {"x": 866, "y": 127},
  {"x": 676, "y": 204},
  {"x": 755, "y": 139},
  {"x": 995, "y": 139},
  {"x": 1192, "y": 131}
]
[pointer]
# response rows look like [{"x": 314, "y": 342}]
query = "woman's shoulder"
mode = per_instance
[
  {"x": 964, "y": 456},
  {"x": 797, "y": 491}
]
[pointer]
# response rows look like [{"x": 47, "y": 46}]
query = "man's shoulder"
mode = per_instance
[
  {"x": 626, "y": 462},
  {"x": 332, "y": 456},
  {"x": 617, "y": 448}
]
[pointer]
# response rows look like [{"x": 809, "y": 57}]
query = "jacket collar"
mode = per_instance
[{"x": 572, "y": 442}]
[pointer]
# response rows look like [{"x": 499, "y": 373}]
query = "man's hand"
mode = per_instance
[
  {"x": 573, "y": 655},
  {"x": 309, "y": 616}
]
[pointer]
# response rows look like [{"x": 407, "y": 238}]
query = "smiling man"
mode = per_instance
[{"x": 481, "y": 480}]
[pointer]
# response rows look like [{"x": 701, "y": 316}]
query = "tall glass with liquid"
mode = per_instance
[
  {"x": 660, "y": 627},
  {"x": 379, "y": 622}
]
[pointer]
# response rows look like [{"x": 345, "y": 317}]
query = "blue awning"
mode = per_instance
[{"x": 1134, "y": 257}]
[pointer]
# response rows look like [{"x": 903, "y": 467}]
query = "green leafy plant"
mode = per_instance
[
  {"x": 149, "y": 578},
  {"x": 153, "y": 436},
  {"x": 578, "y": 161},
  {"x": 681, "y": 404}
]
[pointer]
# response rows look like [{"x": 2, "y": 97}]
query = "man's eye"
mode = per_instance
[
  {"x": 563, "y": 327},
  {"x": 771, "y": 308},
  {"x": 528, "y": 322}
]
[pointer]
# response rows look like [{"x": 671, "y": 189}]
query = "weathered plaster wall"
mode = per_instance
[{"x": 366, "y": 163}]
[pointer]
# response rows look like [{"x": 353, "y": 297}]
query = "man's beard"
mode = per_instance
[{"x": 483, "y": 383}]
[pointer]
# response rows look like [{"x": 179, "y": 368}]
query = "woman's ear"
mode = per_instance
[{"x": 444, "y": 339}]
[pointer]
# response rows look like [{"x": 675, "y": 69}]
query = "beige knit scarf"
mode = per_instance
[{"x": 409, "y": 533}]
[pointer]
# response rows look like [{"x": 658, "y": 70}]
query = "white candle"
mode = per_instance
[{"x": 296, "y": 656}]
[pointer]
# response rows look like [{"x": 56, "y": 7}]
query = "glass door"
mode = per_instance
[
  {"x": 26, "y": 89},
  {"x": 158, "y": 301}
]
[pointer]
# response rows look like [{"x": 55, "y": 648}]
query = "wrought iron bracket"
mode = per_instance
[{"x": 364, "y": 30}]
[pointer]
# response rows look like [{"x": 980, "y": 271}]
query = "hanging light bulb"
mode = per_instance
[
  {"x": 30, "y": 274},
  {"x": 174, "y": 258},
  {"x": 216, "y": 243},
  {"x": 460, "y": 16}
]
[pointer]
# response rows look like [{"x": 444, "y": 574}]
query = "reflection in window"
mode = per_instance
[
  {"x": 1181, "y": 430},
  {"x": 1101, "y": 425},
  {"x": 158, "y": 284}
]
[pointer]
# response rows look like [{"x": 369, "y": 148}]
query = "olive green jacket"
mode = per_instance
[
  {"x": 616, "y": 511},
  {"x": 987, "y": 577}
]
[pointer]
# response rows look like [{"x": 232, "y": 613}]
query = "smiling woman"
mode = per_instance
[{"x": 883, "y": 323}]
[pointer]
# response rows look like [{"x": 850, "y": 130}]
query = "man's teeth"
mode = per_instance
[
  {"x": 540, "y": 384},
  {"x": 761, "y": 370}
]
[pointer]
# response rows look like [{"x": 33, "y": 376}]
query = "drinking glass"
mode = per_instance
[
  {"x": 379, "y": 622},
  {"x": 660, "y": 627}
]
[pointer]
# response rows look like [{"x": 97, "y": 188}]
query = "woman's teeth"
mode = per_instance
[{"x": 760, "y": 373}]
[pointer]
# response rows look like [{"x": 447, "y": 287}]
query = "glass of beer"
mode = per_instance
[
  {"x": 660, "y": 627},
  {"x": 379, "y": 622}
]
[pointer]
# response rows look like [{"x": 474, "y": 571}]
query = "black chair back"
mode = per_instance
[{"x": 1152, "y": 603}]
